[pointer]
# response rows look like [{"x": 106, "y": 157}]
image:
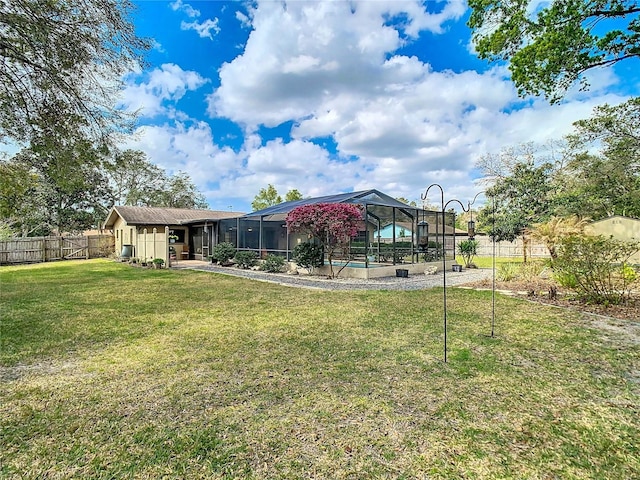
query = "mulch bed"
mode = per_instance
[{"x": 539, "y": 291}]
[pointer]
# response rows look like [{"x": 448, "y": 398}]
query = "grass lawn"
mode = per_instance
[
  {"x": 487, "y": 262},
  {"x": 110, "y": 371}
]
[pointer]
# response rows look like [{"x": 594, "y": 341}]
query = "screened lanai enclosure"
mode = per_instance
[{"x": 391, "y": 232}]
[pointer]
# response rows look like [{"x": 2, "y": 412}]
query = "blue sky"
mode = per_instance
[{"x": 333, "y": 96}]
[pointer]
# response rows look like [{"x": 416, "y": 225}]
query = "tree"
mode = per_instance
[
  {"x": 551, "y": 48},
  {"x": 293, "y": 195},
  {"x": 178, "y": 191},
  {"x": 616, "y": 126},
  {"x": 553, "y": 231},
  {"x": 66, "y": 58},
  {"x": 62, "y": 186},
  {"x": 601, "y": 186},
  {"x": 603, "y": 176},
  {"x": 333, "y": 225},
  {"x": 594, "y": 172},
  {"x": 72, "y": 191},
  {"x": 267, "y": 197},
  {"x": 21, "y": 212},
  {"x": 411, "y": 203},
  {"x": 522, "y": 189},
  {"x": 133, "y": 179},
  {"x": 468, "y": 249}
]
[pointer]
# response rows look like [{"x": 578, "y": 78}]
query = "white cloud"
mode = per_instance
[
  {"x": 191, "y": 12},
  {"x": 204, "y": 29},
  {"x": 189, "y": 147},
  {"x": 453, "y": 10},
  {"x": 333, "y": 68},
  {"x": 244, "y": 20},
  {"x": 162, "y": 89},
  {"x": 300, "y": 54},
  {"x": 297, "y": 164},
  {"x": 207, "y": 29},
  {"x": 157, "y": 46},
  {"x": 236, "y": 177}
]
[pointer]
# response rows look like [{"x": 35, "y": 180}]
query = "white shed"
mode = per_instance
[{"x": 621, "y": 228}]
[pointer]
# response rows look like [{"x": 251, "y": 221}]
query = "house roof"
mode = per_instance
[
  {"x": 164, "y": 216},
  {"x": 368, "y": 197}
]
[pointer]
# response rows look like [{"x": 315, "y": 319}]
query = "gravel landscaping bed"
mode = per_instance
[{"x": 413, "y": 282}]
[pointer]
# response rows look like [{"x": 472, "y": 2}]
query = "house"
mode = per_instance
[
  {"x": 158, "y": 232},
  {"x": 265, "y": 231},
  {"x": 154, "y": 232},
  {"x": 404, "y": 231},
  {"x": 400, "y": 231},
  {"x": 620, "y": 228}
]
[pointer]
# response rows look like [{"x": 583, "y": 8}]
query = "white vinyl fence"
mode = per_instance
[{"x": 508, "y": 249}]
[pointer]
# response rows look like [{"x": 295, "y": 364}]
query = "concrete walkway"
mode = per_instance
[{"x": 413, "y": 282}]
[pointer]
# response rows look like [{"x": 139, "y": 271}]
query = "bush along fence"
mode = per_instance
[{"x": 48, "y": 249}]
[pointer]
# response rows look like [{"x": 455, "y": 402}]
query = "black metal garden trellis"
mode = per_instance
[{"x": 471, "y": 233}]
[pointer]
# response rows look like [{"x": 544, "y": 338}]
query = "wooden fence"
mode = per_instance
[{"x": 48, "y": 249}]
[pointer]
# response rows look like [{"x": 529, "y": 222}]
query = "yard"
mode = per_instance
[{"x": 110, "y": 371}]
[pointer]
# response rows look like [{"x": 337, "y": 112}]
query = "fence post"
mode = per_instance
[
  {"x": 166, "y": 246},
  {"x": 155, "y": 231}
]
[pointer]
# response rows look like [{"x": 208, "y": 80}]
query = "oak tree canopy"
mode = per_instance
[
  {"x": 549, "y": 49},
  {"x": 61, "y": 66}
]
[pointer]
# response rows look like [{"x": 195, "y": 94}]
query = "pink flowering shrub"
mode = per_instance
[{"x": 332, "y": 224}]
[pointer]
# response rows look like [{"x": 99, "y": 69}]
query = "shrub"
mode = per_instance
[
  {"x": 530, "y": 271},
  {"x": 308, "y": 255},
  {"x": 157, "y": 262},
  {"x": 223, "y": 252},
  {"x": 273, "y": 263},
  {"x": 468, "y": 249},
  {"x": 566, "y": 279},
  {"x": 507, "y": 272},
  {"x": 246, "y": 259},
  {"x": 629, "y": 273},
  {"x": 595, "y": 267}
]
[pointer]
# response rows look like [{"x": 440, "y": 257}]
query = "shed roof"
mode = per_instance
[
  {"x": 164, "y": 215},
  {"x": 368, "y": 197}
]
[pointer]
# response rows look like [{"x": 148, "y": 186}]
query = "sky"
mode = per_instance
[{"x": 333, "y": 96}]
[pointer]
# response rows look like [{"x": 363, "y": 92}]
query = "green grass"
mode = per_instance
[
  {"x": 114, "y": 372},
  {"x": 487, "y": 262}
]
